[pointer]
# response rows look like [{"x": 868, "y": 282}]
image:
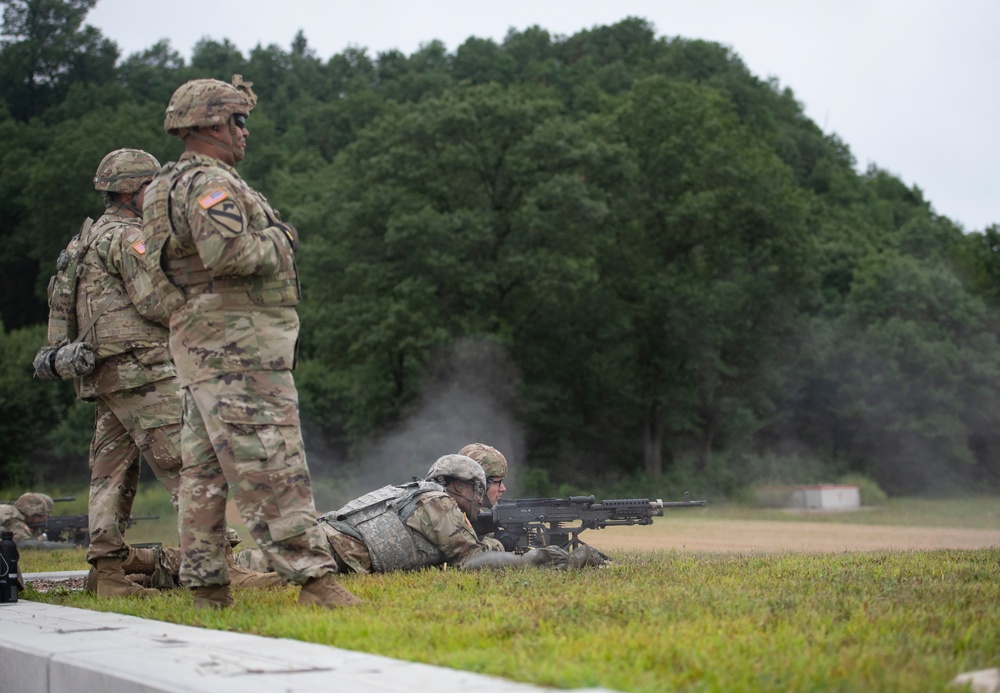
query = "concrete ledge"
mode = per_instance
[
  {"x": 59, "y": 575},
  {"x": 57, "y": 649}
]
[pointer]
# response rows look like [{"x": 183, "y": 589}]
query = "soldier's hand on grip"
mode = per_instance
[{"x": 508, "y": 539}]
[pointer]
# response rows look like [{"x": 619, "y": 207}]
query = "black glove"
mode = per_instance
[
  {"x": 548, "y": 557},
  {"x": 586, "y": 556},
  {"x": 508, "y": 540},
  {"x": 290, "y": 233}
]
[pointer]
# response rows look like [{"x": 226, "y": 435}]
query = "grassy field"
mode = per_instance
[{"x": 659, "y": 620}]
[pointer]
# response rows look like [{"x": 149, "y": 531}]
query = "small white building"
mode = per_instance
[{"x": 825, "y": 497}]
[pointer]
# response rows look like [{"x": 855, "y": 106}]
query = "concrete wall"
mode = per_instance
[{"x": 56, "y": 649}]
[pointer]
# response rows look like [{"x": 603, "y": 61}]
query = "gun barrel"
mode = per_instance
[{"x": 685, "y": 504}]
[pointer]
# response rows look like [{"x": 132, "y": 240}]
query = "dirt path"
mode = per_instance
[{"x": 809, "y": 537}]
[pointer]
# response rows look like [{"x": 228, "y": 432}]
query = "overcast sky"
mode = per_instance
[{"x": 909, "y": 85}]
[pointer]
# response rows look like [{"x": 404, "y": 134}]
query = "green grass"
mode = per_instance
[{"x": 655, "y": 621}]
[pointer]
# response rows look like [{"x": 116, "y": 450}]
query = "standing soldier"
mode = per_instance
[
  {"x": 224, "y": 263},
  {"x": 107, "y": 332}
]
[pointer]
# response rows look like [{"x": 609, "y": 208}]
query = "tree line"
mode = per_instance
[{"x": 619, "y": 255}]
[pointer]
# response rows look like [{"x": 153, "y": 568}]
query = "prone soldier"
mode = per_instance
[
  {"x": 495, "y": 466},
  {"x": 420, "y": 524},
  {"x": 26, "y": 516}
]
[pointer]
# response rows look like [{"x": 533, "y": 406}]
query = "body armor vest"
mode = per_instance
[
  {"x": 119, "y": 328},
  {"x": 63, "y": 325},
  {"x": 178, "y": 278},
  {"x": 378, "y": 519}
]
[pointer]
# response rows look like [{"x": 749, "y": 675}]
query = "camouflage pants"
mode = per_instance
[
  {"x": 252, "y": 559},
  {"x": 241, "y": 434},
  {"x": 130, "y": 425},
  {"x": 351, "y": 555}
]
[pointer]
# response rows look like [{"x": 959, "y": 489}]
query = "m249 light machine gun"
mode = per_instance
[
  {"x": 74, "y": 529},
  {"x": 534, "y": 522}
]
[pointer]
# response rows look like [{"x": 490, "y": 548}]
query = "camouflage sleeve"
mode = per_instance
[
  {"x": 128, "y": 257},
  {"x": 223, "y": 218},
  {"x": 444, "y": 524},
  {"x": 11, "y": 520}
]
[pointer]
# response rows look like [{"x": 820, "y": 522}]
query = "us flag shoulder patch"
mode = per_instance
[
  {"x": 139, "y": 247},
  {"x": 213, "y": 198}
]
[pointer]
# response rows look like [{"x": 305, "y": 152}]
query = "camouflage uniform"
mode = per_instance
[
  {"x": 439, "y": 529},
  {"x": 438, "y": 532},
  {"x": 227, "y": 266},
  {"x": 134, "y": 388},
  {"x": 14, "y": 516},
  {"x": 495, "y": 467},
  {"x": 12, "y": 520}
]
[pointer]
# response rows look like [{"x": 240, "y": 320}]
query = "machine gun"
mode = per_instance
[
  {"x": 535, "y": 522},
  {"x": 75, "y": 529}
]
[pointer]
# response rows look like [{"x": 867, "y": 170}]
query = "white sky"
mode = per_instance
[{"x": 909, "y": 85}]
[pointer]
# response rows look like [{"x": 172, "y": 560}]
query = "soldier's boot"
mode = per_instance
[
  {"x": 241, "y": 577},
  {"x": 327, "y": 592},
  {"x": 244, "y": 577},
  {"x": 159, "y": 563},
  {"x": 111, "y": 581},
  {"x": 140, "y": 561},
  {"x": 212, "y": 597},
  {"x": 90, "y": 584}
]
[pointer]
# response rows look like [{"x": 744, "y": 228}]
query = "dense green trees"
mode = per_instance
[{"x": 674, "y": 273}]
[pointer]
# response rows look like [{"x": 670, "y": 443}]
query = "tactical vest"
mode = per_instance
[
  {"x": 119, "y": 327},
  {"x": 62, "y": 291},
  {"x": 177, "y": 279},
  {"x": 378, "y": 519},
  {"x": 157, "y": 230}
]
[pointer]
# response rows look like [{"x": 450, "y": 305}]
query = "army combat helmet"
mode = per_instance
[
  {"x": 464, "y": 469},
  {"x": 125, "y": 171},
  {"x": 489, "y": 458},
  {"x": 202, "y": 103},
  {"x": 34, "y": 504}
]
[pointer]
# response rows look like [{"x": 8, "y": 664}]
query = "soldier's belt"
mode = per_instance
[{"x": 202, "y": 282}]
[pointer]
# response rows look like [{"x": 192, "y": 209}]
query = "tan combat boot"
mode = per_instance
[
  {"x": 326, "y": 591},
  {"x": 159, "y": 565},
  {"x": 139, "y": 561},
  {"x": 212, "y": 597},
  {"x": 244, "y": 577},
  {"x": 241, "y": 577},
  {"x": 111, "y": 581}
]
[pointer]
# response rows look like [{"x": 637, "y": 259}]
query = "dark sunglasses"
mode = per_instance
[
  {"x": 490, "y": 481},
  {"x": 240, "y": 120}
]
